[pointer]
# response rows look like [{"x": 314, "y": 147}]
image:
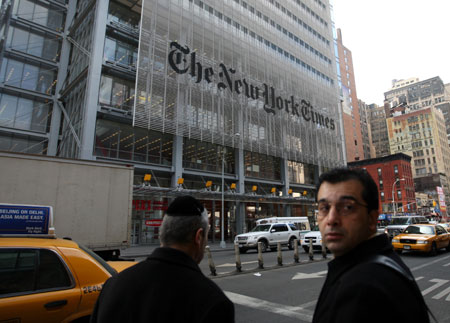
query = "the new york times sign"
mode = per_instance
[{"x": 179, "y": 57}]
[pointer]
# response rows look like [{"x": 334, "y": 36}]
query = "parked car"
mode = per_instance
[
  {"x": 427, "y": 238},
  {"x": 316, "y": 238},
  {"x": 301, "y": 222},
  {"x": 269, "y": 235}
]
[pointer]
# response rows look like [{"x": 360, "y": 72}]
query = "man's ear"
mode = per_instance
[
  {"x": 199, "y": 237},
  {"x": 373, "y": 216}
]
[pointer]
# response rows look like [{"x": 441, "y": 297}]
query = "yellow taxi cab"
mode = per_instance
[
  {"x": 46, "y": 279},
  {"x": 427, "y": 238}
]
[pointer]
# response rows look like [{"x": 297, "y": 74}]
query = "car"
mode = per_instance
[
  {"x": 269, "y": 235},
  {"x": 316, "y": 238},
  {"x": 428, "y": 238},
  {"x": 399, "y": 223},
  {"x": 301, "y": 222},
  {"x": 50, "y": 279},
  {"x": 44, "y": 278}
]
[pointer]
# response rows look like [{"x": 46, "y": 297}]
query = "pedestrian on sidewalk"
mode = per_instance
[
  {"x": 366, "y": 281},
  {"x": 168, "y": 286}
]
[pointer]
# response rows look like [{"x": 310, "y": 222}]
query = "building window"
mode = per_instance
[
  {"x": 27, "y": 76},
  {"x": 207, "y": 156},
  {"x": 262, "y": 166},
  {"x": 120, "y": 141},
  {"x": 25, "y": 114},
  {"x": 40, "y": 13},
  {"x": 117, "y": 93}
]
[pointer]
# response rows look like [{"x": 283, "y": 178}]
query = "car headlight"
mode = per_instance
[
  {"x": 422, "y": 241},
  {"x": 395, "y": 240}
]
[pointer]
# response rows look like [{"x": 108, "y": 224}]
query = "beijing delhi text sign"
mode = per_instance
[{"x": 24, "y": 219}]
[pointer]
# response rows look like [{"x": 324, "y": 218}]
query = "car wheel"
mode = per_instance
[
  {"x": 264, "y": 246},
  {"x": 306, "y": 249},
  {"x": 448, "y": 247},
  {"x": 242, "y": 250},
  {"x": 291, "y": 243},
  {"x": 399, "y": 251},
  {"x": 433, "y": 251}
]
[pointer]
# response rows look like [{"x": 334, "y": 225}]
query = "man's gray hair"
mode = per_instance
[{"x": 182, "y": 229}]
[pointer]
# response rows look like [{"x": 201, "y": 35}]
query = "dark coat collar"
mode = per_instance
[
  {"x": 174, "y": 256},
  {"x": 377, "y": 245}
]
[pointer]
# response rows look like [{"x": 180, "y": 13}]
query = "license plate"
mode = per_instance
[{"x": 406, "y": 247}]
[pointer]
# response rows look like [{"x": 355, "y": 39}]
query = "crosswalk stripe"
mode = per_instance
[{"x": 285, "y": 310}]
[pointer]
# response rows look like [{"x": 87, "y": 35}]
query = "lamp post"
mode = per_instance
[
  {"x": 393, "y": 199},
  {"x": 222, "y": 240}
]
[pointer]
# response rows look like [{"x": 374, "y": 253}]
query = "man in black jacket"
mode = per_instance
[
  {"x": 168, "y": 286},
  {"x": 367, "y": 281}
]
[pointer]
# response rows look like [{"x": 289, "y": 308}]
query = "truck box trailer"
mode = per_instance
[{"x": 91, "y": 200}]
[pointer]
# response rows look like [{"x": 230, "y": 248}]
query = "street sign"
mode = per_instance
[{"x": 25, "y": 219}]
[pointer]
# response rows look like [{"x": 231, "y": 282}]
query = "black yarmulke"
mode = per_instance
[{"x": 185, "y": 205}]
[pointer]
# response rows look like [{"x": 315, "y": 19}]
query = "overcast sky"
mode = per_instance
[{"x": 394, "y": 39}]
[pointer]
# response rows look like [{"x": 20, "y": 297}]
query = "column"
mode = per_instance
[{"x": 93, "y": 80}]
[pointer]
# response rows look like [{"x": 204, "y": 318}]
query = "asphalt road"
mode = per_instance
[{"x": 288, "y": 293}]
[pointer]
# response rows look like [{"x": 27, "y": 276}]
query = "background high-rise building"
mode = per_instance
[
  {"x": 418, "y": 94},
  {"x": 351, "y": 116},
  {"x": 378, "y": 129},
  {"x": 422, "y": 135},
  {"x": 366, "y": 132}
]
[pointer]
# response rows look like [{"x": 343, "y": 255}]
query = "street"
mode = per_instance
[{"x": 289, "y": 293}]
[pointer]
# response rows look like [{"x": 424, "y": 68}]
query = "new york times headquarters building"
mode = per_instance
[{"x": 235, "y": 102}]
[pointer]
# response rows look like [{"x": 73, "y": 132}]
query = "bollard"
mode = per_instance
[
  {"x": 311, "y": 251},
  {"x": 324, "y": 251},
  {"x": 296, "y": 258},
  {"x": 238, "y": 258},
  {"x": 212, "y": 267},
  {"x": 260, "y": 257},
  {"x": 279, "y": 255}
]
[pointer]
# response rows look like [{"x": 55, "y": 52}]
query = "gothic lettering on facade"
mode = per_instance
[{"x": 182, "y": 64}]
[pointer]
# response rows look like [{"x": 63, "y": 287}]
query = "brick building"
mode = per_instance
[{"x": 395, "y": 182}]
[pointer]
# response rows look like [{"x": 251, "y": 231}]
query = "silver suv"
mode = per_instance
[{"x": 399, "y": 223}]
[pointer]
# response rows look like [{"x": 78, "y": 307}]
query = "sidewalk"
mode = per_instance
[{"x": 146, "y": 250}]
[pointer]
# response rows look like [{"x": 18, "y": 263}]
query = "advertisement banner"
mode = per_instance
[
  {"x": 25, "y": 219},
  {"x": 441, "y": 196}
]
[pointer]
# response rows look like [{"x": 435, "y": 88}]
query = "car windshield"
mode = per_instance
[
  {"x": 260, "y": 228},
  {"x": 399, "y": 221},
  {"x": 416, "y": 229}
]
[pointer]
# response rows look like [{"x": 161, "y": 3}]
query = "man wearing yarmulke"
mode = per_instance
[{"x": 168, "y": 286}]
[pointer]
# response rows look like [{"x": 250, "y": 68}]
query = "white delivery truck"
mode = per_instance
[
  {"x": 301, "y": 222},
  {"x": 91, "y": 200}
]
